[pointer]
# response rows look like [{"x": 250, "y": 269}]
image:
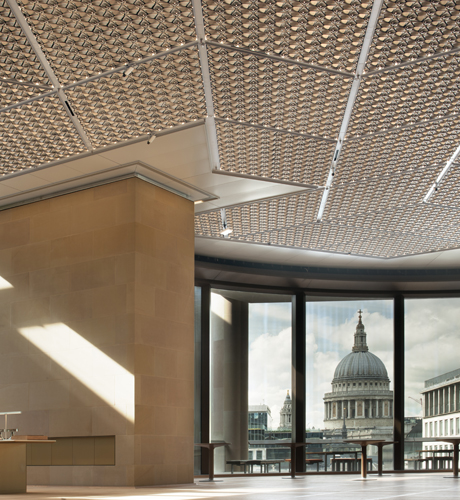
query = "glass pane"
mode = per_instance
[
  {"x": 250, "y": 374},
  {"x": 270, "y": 417},
  {"x": 432, "y": 381},
  {"x": 349, "y": 371}
]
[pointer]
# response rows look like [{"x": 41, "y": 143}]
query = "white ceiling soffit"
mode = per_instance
[{"x": 325, "y": 127}]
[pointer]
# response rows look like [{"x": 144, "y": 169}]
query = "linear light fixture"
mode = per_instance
[
  {"x": 441, "y": 176},
  {"x": 373, "y": 19}
]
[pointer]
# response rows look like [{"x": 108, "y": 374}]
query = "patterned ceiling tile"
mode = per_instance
[
  {"x": 164, "y": 93},
  {"x": 326, "y": 33},
  {"x": 276, "y": 155},
  {"x": 409, "y": 29},
  {"x": 251, "y": 219},
  {"x": 36, "y": 134},
  {"x": 12, "y": 93},
  {"x": 17, "y": 58},
  {"x": 276, "y": 94},
  {"x": 397, "y": 150},
  {"x": 415, "y": 93},
  {"x": 81, "y": 38},
  {"x": 378, "y": 193}
]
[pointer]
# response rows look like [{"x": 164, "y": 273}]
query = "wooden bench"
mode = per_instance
[
  {"x": 308, "y": 461},
  {"x": 263, "y": 464}
]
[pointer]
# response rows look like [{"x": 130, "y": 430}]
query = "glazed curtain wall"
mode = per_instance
[{"x": 254, "y": 358}]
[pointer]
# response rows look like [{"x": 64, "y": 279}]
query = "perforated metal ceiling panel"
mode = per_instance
[
  {"x": 36, "y": 134},
  {"x": 326, "y": 33},
  {"x": 82, "y": 38},
  {"x": 405, "y": 96},
  {"x": 163, "y": 93},
  {"x": 274, "y": 155},
  {"x": 356, "y": 100},
  {"x": 276, "y": 94},
  {"x": 397, "y": 150},
  {"x": 17, "y": 59},
  {"x": 410, "y": 29}
]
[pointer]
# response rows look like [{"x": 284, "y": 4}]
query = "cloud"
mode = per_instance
[
  {"x": 432, "y": 343},
  {"x": 270, "y": 371}
]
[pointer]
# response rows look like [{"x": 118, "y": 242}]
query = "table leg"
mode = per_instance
[
  {"x": 211, "y": 463},
  {"x": 380, "y": 460},
  {"x": 293, "y": 461},
  {"x": 455, "y": 461},
  {"x": 364, "y": 462}
]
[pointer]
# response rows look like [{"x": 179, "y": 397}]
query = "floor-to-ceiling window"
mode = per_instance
[
  {"x": 250, "y": 366},
  {"x": 432, "y": 381},
  {"x": 349, "y": 374}
]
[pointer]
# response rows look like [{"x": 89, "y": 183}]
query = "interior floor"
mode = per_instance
[{"x": 419, "y": 486}]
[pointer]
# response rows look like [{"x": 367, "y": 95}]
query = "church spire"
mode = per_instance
[{"x": 360, "y": 336}]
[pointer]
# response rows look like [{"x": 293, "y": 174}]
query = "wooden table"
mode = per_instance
[
  {"x": 211, "y": 447},
  {"x": 364, "y": 444},
  {"x": 13, "y": 464},
  {"x": 455, "y": 442},
  {"x": 380, "y": 445}
]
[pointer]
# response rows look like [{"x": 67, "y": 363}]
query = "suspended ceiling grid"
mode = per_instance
[{"x": 353, "y": 102}]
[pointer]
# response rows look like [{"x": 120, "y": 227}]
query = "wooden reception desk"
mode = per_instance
[{"x": 13, "y": 456}]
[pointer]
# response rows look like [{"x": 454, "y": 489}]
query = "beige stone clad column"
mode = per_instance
[{"x": 96, "y": 328}]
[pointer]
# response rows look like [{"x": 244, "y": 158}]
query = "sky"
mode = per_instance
[{"x": 432, "y": 344}]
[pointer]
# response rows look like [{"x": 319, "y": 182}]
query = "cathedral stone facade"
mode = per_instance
[{"x": 361, "y": 402}]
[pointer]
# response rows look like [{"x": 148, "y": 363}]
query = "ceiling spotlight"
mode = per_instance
[
  {"x": 226, "y": 232},
  {"x": 128, "y": 71},
  {"x": 151, "y": 139}
]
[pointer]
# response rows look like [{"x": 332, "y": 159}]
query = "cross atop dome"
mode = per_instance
[{"x": 360, "y": 344}]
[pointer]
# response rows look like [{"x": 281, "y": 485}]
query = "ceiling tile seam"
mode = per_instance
[
  {"x": 15, "y": 9},
  {"x": 104, "y": 74},
  {"x": 403, "y": 127},
  {"x": 211, "y": 130},
  {"x": 20, "y": 83},
  {"x": 274, "y": 57},
  {"x": 412, "y": 62},
  {"x": 273, "y": 129},
  {"x": 273, "y": 180},
  {"x": 132, "y": 64},
  {"x": 20, "y": 104},
  {"x": 363, "y": 57}
]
